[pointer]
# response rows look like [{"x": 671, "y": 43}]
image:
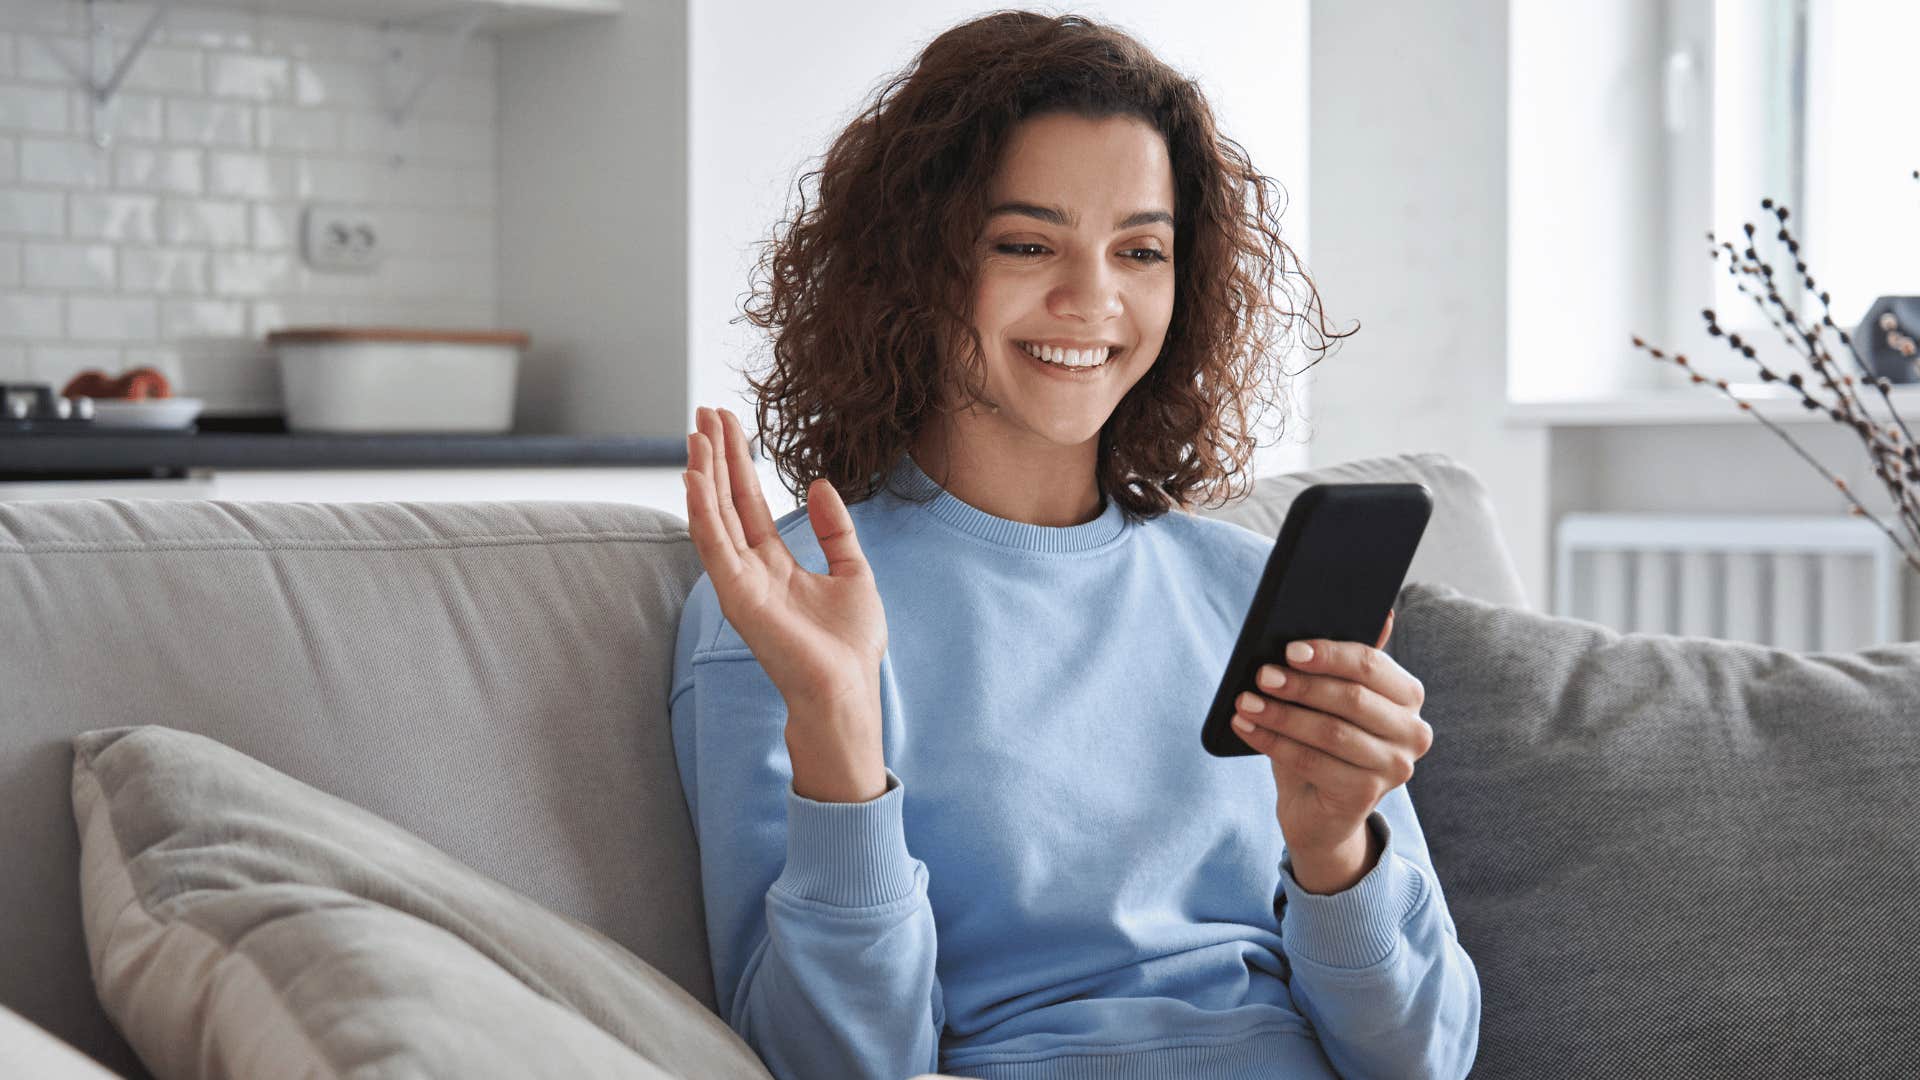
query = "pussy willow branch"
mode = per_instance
[
  {"x": 1897, "y": 465},
  {"x": 1888, "y": 458},
  {"x": 1858, "y": 509}
]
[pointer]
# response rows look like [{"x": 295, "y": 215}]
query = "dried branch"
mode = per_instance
[{"x": 1895, "y": 455}]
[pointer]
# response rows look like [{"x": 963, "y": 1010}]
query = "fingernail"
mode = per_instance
[
  {"x": 1251, "y": 703},
  {"x": 1241, "y": 725},
  {"x": 1299, "y": 652},
  {"x": 1272, "y": 677}
]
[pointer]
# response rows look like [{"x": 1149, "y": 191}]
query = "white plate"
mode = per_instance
[{"x": 173, "y": 412}]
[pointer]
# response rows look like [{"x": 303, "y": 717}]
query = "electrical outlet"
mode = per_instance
[{"x": 341, "y": 238}]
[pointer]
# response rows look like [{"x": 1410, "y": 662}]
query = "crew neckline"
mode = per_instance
[{"x": 908, "y": 477}]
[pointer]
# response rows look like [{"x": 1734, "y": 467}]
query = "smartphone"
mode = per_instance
[{"x": 1334, "y": 573}]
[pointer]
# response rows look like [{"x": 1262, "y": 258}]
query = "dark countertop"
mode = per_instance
[{"x": 263, "y": 442}]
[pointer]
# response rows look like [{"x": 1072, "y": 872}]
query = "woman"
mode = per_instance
[{"x": 1015, "y": 338}]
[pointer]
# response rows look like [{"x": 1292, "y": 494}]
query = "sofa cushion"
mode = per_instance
[
  {"x": 490, "y": 676},
  {"x": 241, "y": 923},
  {"x": 1462, "y": 545},
  {"x": 1671, "y": 856},
  {"x": 26, "y": 1049}
]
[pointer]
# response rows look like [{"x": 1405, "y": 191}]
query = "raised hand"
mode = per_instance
[{"x": 820, "y": 637}]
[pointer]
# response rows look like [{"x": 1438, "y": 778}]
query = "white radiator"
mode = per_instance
[{"x": 1811, "y": 584}]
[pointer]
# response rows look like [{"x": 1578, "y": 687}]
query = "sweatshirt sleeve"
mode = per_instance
[
  {"x": 819, "y": 929},
  {"x": 1378, "y": 968}
]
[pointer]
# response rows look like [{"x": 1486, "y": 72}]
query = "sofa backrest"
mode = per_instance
[
  {"x": 492, "y": 676},
  {"x": 1462, "y": 546}
]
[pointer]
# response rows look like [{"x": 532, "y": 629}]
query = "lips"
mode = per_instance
[{"x": 1065, "y": 357}]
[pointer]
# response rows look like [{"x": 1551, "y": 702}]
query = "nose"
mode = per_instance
[{"x": 1088, "y": 291}]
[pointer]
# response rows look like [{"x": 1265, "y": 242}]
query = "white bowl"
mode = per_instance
[
  {"x": 397, "y": 386},
  {"x": 171, "y": 412}
]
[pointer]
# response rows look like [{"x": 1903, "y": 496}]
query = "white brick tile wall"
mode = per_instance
[
  {"x": 257, "y": 78},
  {"x": 32, "y": 213},
  {"x": 131, "y": 116},
  {"x": 164, "y": 228},
  {"x": 160, "y": 169},
  {"x": 62, "y": 163},
  {"x": 209, "y": 123},
  {"x": 276, "y": 226},
  {"x": 33, "y": 108},
  {"x": 206, "y": 222},
  {"x": 68, "y": 266},
  {"x": 129, "y": 219},
  {"x": 163, "y": 271},
  {"x": 46, "y": 361},
  {"x": 33, "y": 316},
  {"x": 111, "y": 318}
]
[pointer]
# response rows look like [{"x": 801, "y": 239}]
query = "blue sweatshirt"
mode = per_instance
[{"x": 1059, "y": 880}]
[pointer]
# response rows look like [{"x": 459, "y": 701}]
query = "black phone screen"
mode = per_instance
[{"x": 1334, "y": 572}]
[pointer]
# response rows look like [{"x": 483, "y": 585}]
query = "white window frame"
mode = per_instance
[{"x": 1734, "y": 96}]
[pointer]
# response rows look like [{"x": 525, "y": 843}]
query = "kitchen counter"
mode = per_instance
[{"x": 264, "y": 443}]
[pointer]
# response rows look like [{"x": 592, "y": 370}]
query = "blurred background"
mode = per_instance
[{"x": 1502, "y": 193}]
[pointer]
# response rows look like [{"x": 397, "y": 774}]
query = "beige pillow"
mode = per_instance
[
  {"x": 26, "y": 1049},
  {"x": 242, "y": 924}
]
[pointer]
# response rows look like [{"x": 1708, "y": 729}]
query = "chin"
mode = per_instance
[{"x": 1066, "y": 437}]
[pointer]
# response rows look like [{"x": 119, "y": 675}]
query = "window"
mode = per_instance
[{"x": 1811, "y": 103}]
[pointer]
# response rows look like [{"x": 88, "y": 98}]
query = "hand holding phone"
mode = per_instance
[
  {"x": 1344, "y": 729},
  {"x": 1333, "y": 574}
]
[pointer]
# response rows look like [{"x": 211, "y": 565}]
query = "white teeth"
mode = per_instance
[{"x": 1068, "y": 357}]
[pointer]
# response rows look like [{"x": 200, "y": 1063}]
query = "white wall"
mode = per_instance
[
  {"x": 1409, "y": 136},
  {"x": 1585, "y": 174},
  {"x": 772, "y": 83},
  {"x": 593, "y": 219},
  {"x": 176, "y": 245}
]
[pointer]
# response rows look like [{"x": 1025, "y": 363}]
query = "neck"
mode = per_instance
[{"x": 1025, "y": 481}]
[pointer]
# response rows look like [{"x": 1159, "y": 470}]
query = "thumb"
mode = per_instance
[{"x": 834, "y": 526}]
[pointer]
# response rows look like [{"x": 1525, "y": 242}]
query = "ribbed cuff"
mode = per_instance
[
  {"x": 1356, "y": 928},
  {"x": 848, "y": 854}
]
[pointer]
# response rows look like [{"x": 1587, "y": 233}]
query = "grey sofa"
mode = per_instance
[{"x": 493, "y": 677}]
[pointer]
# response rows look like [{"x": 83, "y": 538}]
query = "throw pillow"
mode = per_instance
[
  {"x": 27, "y": 1049},
  {"x": 1671, "y": 856},
  {"x": 243, "y": 924}
]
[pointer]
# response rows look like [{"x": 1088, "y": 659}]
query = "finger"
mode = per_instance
[
  {"x": 710, "y": 540},
  {"x": 755, "y": 519},
  {"x": 1367, "y": 666},
  {"x": 1385, "y": 631},
  {"x": 834, "y": 526},
  {"x": 1325, "y": 732},
  {"x": 709, "y": 422},
  {"x": 1306, "y": 761},
  {"x": 1336, "y": 696}
]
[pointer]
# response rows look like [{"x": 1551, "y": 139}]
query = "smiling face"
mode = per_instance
[{"x": 1076, "y": 253}]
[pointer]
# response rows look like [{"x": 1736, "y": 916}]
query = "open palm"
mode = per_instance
[{"x": 820, "y": 637}]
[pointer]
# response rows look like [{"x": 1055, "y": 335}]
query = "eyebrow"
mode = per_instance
[{"x": 1055, "y": 216}]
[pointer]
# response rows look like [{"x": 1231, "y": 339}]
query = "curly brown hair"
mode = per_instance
[{"x": 870, "y": 287}]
